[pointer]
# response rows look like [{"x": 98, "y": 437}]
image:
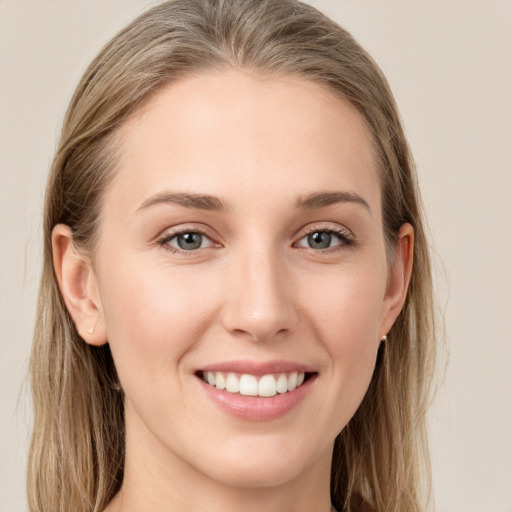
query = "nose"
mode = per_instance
[{"x": 259, "y": 303}]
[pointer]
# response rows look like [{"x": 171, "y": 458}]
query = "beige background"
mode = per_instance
[{"x": 450, "y": 66}]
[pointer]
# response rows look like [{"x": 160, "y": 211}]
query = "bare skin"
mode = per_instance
[{"x": 284, "y": 260}]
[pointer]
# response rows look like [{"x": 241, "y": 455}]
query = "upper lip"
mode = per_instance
[{"x": 257, "y": 368}]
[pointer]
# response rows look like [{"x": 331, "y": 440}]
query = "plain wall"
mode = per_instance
[{"x": 450, "y": 66}]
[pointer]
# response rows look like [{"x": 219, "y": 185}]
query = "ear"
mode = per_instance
[
  {"x": 78, "y": 286},
  {"x": 399, "y": 277}
]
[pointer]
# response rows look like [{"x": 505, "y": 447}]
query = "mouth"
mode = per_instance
[
  {"x": 247, "y": 384},
  {"x": 257, "y": 390}
]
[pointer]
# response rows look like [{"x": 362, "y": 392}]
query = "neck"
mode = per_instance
[{"x": 289, "y": 498}]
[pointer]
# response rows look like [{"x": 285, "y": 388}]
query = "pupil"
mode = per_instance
[
  {"x": 320, "y": 240},
  {"x": 189, "y": 241}
]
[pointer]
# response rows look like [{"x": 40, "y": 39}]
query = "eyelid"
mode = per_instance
[{"x": 326, "y": 226}]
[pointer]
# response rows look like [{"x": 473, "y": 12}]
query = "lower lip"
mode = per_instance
[{"x": 257, "y": 408}]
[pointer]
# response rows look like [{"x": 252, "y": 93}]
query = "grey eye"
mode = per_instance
[
  {"x": 324, "y": 239},
  {"x": 186, "y": 242},
  {"x": 189, "y": 241},
  {"x": 319, "y": 240}
]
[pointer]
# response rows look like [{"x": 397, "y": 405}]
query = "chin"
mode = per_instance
[
  {"x": 255, "y": 474},
  {"x": 262, "y": 463}
]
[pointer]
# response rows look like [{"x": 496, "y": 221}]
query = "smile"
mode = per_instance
[
  {"x": 257, "y": 391},
  {"x": 251, "y": 385}
]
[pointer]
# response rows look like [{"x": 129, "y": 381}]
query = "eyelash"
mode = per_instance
[
  {"x": 164, "y": 241},
  {"x": 344, "y": 236}
]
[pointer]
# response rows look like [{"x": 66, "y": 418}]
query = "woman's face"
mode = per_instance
[{"x": 242, "y": 236}]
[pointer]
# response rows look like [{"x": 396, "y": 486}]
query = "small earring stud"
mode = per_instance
[
  {"x": 384, "y": 338},
  {"x": 90, "y": 330}
]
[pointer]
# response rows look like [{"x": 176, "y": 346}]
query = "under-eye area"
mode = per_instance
[{"x": 245, "y": 384}]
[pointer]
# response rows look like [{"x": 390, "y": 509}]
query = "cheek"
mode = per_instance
[
  {"x": 152, "y": 319},
  {"x": 348, "y": 306},
  {"x": 346, "y": 315}
]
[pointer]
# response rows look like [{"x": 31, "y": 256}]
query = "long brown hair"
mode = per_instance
[{"x": 380, "y": 460}]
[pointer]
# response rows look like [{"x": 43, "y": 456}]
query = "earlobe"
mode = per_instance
[
  {"x": 78, "y": 286},
  {"x": 400, "y": 275}
]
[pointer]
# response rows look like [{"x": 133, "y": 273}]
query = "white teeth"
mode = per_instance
[
  {"x": 282, "y": 383},
  {"x": 249, "y": 385},
  {"x": 267, "y": 386},
  {"x": 220, "y": 381},
  {"x": 292, "y": 381},
  {"x": 232, "y": 383}
]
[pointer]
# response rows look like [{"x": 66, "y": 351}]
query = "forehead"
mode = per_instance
[{"x": 224, "y": 132}]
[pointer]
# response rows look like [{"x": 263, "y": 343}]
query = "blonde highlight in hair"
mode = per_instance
[{"x": 76, "y": 460}]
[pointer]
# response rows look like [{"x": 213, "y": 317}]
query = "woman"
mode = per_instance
[{"x": 235, "y": 310}]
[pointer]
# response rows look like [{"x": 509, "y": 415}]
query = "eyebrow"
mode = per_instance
[
  {"x": 186, "y": 199},
  {"x": 322, "y": 199},
  {"x": 212, "y": 203}
]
